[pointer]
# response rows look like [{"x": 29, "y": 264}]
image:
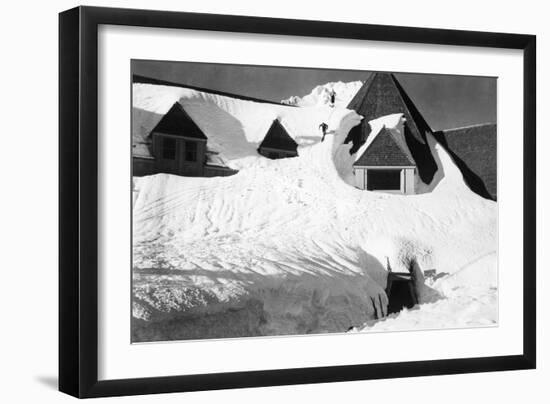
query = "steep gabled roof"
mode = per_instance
[
  {"x": 381, "y": 95},
  {"x": 474, "y": 151},
  {"x": 278, "y": 138},
  {"x": 177, "y": 122},
  {"x": 385, "y": 151}
]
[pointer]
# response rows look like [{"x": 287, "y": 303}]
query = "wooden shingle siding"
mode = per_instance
[
  {"x": 474, "y": 151},
  {"x": 381, "y": 95},
  {"x": 384, "y": 151},
  {"x": 143, "y": 166}
]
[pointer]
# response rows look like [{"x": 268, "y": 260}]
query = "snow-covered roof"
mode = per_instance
[
  {"x": 385, "y": 151},
  {"x": 386, "y": 144},
  {"x": 290, "y": 236},
  {"x": 383, "y": 95},
  {"x": 215, "y": 159},
  {"x": 136, "y": 78},
  {"x": 320, "y": 95},
  {"x": 474, "y": 149},
  {"x": 234, "y": 127}
]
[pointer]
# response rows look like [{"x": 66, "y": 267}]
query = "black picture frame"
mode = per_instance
[{"x": 78, "y": 200}]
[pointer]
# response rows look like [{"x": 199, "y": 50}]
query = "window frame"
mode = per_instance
[
  {"x": 369, "y": 179},
  {"x": 187, "y": 150},
  {"x": 164, "y": 148}
]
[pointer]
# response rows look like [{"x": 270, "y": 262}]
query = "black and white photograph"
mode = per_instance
[{"x": 277, "y": 201}]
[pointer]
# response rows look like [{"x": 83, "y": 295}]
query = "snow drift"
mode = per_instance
[
  {"x": 289, "y": 246},
  {"x": 320, "y": 95},
  {"x": 235, "y": 127}
]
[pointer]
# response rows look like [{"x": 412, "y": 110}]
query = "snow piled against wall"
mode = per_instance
[
  {"x": 288, "y": 246},
  {"x": 234, "y": 128}
]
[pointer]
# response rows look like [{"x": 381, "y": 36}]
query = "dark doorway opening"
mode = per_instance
[{"x": 400, "y": 291}]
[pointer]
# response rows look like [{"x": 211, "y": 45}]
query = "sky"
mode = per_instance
[{"x": 445, "y": 101}]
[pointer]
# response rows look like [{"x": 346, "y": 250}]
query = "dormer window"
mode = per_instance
[
  {"x": 190, "y": 151},
  {"x": 168, "y": 148},
  {"x": 384, "y": 179}
]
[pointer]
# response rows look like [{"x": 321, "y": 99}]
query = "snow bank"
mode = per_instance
[
  {"x": 320, "y": 95},
  {"x": 469, "y": 299},
  {"x": 235, "y": 128},
  {"x": 286, "y": 246}
]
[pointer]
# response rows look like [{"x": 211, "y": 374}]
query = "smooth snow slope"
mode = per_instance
[
  {"x": 234, "y": 128},
  {"x": 287, "y": 246}
]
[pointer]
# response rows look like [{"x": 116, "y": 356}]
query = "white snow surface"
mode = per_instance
[
  {"x": 234, "y": 128},
  {"x": 470, "y": 300},
  {"x": 320, "y": 95},
  {"x": 288, "y": 246}
]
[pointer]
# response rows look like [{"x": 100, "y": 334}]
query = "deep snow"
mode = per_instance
[
  {"x": 235, "y": 128},
  {"x": 320, "y": 95},
  {"x": 289, "y": 246}
]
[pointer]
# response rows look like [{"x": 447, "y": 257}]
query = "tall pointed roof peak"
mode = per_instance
[{"x": 382, "y": 94}]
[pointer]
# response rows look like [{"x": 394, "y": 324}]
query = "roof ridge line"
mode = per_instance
[
  {"x": 404, "y": 96},
  {"x": 406, "y": 152},
  {"x": 467, "y": 126},
  {"x": 369, "y": 81},
  {"x": 160, "y": 82}
]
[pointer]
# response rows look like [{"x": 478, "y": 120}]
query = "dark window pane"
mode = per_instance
[
  {"x": 191, "y": 151},
  {"x": 168, "y": 148},
  {"x": 383, "y": 179}
]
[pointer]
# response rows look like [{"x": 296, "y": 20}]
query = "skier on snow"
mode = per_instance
[
  {"x": 332, "y": 97},
  {"x": 323, "y": 128}
]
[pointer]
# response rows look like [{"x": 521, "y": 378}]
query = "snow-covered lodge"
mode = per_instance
[
  {"x": 393, "y": 162},
  {"x": 179, "y": 146},
  {"x": 387, "y": 160}
]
